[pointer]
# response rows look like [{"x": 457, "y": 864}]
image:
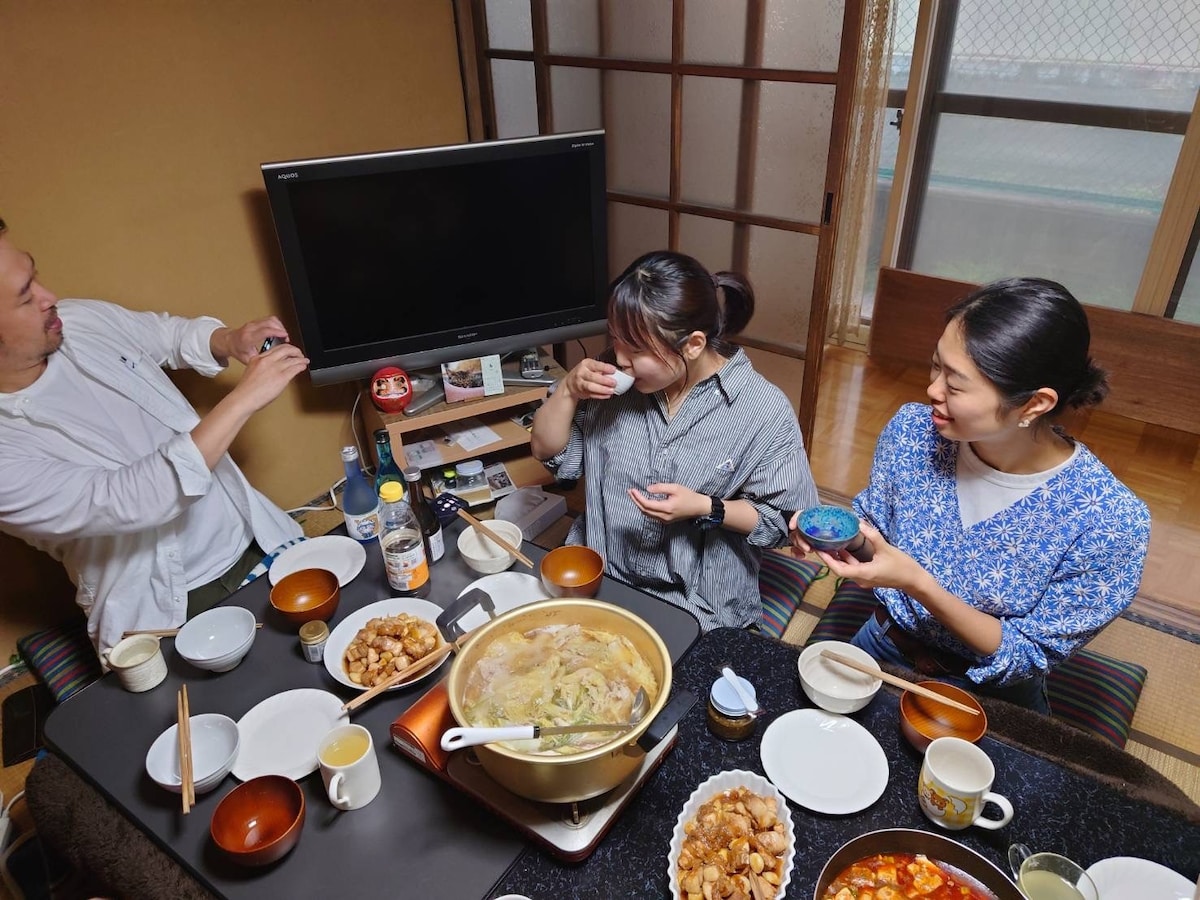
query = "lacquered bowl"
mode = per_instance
[
  {"x": 572, "y": 571},
  {"x": 922, "y": 720},
  {"x": 259, "y": 821},
  {"x": 306, "y": 595}
]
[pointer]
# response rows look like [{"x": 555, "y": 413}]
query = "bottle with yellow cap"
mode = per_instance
[{"x": 404, "y": 545}]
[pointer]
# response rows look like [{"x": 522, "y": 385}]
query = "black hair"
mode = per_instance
[
  {"x": 1029, "y": 333},
  {"x": 664, "y": 296}
]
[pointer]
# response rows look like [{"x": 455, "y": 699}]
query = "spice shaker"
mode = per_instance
[
  {"x": 313, "y": 636},
  {"x": 728, "y": 717}
]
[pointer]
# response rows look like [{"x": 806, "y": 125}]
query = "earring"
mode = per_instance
[{"x": 1024, "y": 423}]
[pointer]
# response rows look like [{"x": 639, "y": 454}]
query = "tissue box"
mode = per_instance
[{"x": 532, "y": 509}]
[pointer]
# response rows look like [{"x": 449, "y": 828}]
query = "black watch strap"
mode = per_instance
[{"x": 714, "y": 518}]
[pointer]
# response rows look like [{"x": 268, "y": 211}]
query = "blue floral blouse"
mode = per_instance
[{"x": 1055, "y": 567}]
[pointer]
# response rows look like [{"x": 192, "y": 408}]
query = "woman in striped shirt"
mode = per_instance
[{"x": 691, "y": 473}]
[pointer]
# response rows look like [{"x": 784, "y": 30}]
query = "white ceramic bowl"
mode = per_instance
[
  {"x": 215, "y": 746},
  {"x": 483, "y": 555},
  {"x": 218, "y": 639},
  {"x": 832, "y": 686},
  {"x": 724, "y": 781}
]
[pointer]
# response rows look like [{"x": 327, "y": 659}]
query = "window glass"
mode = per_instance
[
  {"x": 1078, "y": 205},
  {"x": 623, "y": 29},
  {"x": 575, "y": 99},
  {"x": 1133, "y": 53},
  {"x": 639, "y": 137},
  {"x": 1188, "y": 307},
  {"x": 508, "y": 25},
  {"x": 515, "y": 98},
  {"x": 632, "y": 231}
]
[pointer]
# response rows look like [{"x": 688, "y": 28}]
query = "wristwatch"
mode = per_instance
[{"x": 714, "y": 518}]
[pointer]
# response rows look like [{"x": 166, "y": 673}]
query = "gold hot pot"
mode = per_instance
[{"x": 566, "y": 778}]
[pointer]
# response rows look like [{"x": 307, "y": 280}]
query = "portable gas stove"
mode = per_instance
[{"x": 569, "y": 831}]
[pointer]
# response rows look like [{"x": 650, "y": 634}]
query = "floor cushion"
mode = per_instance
[
  {"x": 62, "y": 657},
  {"x": 1092, "y": 691},
  {"x": 782, "y": 582}
]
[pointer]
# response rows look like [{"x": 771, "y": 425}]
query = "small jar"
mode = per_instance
[
  {"x": 449, "y": 477},
  {"x": 468, "y": 475},
  {"x": 727, "y": 716},
  {"x": 313, "y": 636}
]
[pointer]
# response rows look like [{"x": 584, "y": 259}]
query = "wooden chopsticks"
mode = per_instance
[
  {"x": 186, "y": 783},
  {"x": 164, "y": 632},
  {"x": 392, "y": 680},
  {"x": 494, "y": 538},
  {"x": 898, "y": 682}
]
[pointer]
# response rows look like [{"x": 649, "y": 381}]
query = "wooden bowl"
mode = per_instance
[
  {"x": 922, "y": 720},
  {"x": 573, "y": 571},
  {"x": 305, "y": 595},
  {"x": 259, "y": 821}
]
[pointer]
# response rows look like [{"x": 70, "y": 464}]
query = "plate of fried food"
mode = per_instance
[
  {"x": 734, "y": 830},
  {"x": 382, "y": 638}
]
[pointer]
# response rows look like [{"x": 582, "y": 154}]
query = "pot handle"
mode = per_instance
[
  {"x": 447, "y": 622},
  {"x": 670, "y": 715},
  {"x": 458, "y": 738}
]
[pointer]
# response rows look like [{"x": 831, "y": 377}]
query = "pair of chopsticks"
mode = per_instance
[
  {"x": 186, "y": 783},
  {"x": 898, "y": 682},
  {"x": 494, "y": 538},
  {"x": 164, "y": 632},
  {"x": 407, "y": 672}
]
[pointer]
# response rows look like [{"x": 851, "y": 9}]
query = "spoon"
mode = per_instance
[
  {"x": 458, "y": 738},
  {"x": 752, "y": 708}
]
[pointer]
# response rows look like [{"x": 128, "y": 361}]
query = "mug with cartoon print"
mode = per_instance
[{"x": 955, "y": 785}]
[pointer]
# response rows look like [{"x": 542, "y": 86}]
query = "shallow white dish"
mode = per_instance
[
  {"x": 724, "y": 781},
  {"x": 1131, "y": 878},
  {"x": 508, "y": 590},
  {"x": 343, "y": 556},
  {"x": 215, "y": 743},
  {"x": 279, "y": 736},
  {"x": 824, "y": 762},
  {"x": 343, "y": 634}
]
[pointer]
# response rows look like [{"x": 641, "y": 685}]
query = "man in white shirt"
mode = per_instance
[{"x": 105, "y": 465}]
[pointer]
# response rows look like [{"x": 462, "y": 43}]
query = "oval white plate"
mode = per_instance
[
  {"x": 343, "y": 556},
  {"x": 825, "y": 762},
  {"x": 1131, "y": 878},
  {"x": 724, "y": 781},
  {"x": 280, "y": 735},
  {"x": 343, "y": 634},
  {"x": 508, "y": 590}
]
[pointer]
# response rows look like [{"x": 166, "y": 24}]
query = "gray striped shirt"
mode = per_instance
[{"x": 736, "y": 437}]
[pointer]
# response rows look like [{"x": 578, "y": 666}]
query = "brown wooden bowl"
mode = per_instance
[
  {"x": 259, "y": 821},
  {"x": 922, "y": 720},
  {"x": 306, "y": 594},
  {"x": 572, "y": 571}
]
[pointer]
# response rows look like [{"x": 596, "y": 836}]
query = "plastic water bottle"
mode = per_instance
[
  {"x": 403, "y": 545},
  {"x": 388, "y": 471},
  {"x": 359, "y": 502},
  {"x": 430, "y": 526}
]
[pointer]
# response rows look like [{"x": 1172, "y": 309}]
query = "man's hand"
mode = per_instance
[{"x": 243, "y": 343}]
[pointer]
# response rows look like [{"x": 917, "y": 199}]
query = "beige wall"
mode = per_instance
[{"x": 131, "y": 132}]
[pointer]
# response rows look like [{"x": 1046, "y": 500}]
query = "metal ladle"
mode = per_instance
[{"x": 458, "y": 738}]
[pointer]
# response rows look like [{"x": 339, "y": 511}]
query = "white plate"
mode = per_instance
[
  {"x": 281, "y": 734},
  {"x": 343, "y": 556},
  {"x": 825, "y": 762},
  {"x": 724, "y": 781},
  {"x": 1130, "y": 878},
  {"x": 343, "y": 634},
  {"x": 508, "y": 590}
]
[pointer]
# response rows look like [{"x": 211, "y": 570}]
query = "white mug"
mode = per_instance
[
  {"x": 349, "y": 766},
  {"x": 138, "y": 662},
  {"x": 955, "y": 785}
]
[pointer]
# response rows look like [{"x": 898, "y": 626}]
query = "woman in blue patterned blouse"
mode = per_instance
[{"x": 1001, "y": 545}]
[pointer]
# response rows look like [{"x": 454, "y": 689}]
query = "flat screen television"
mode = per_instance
[{"x": 419, "y": 257}]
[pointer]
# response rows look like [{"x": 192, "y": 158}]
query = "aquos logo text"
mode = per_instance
[{"x": 284, "y": 176}]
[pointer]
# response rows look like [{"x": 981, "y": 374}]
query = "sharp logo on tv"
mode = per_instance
[
  {"x": 583, "y": 144},
  {"x": 466, "y": 336},
  {"x": 284, "y": 176}
]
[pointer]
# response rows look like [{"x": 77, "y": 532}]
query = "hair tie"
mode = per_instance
[{"x": 716, "y": 281}]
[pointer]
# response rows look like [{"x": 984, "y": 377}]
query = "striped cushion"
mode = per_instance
[
  {"x": 1097, "y": 693},
  {"x": 782, "y": 581},
  {"x": 1090, "y": 690},
  {"x": 62, "y": 657}
]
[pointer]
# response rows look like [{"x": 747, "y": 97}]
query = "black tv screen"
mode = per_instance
[{"x": 417, "y": 257}]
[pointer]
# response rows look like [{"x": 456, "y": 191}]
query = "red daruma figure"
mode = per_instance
[{"x": 391, "y": 391}]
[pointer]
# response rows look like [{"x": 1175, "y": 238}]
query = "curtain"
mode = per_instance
[{"x": 867, "y": 120}]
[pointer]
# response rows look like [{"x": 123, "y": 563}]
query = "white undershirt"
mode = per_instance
[
  {"x": 217, "y": 534},
  {"x": 984, "y": 491}
]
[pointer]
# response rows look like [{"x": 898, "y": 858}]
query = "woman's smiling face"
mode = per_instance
[{"x": 966, "y": 405}]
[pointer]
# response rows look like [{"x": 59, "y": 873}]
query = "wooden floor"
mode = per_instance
[{"x": 1162, "y": 466}]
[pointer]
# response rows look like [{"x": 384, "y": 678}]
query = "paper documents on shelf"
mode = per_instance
[
  {"x": 498, "y": 480},
  {"x": 422, "y": 454},
  {"x": 470, "y": 434}
]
